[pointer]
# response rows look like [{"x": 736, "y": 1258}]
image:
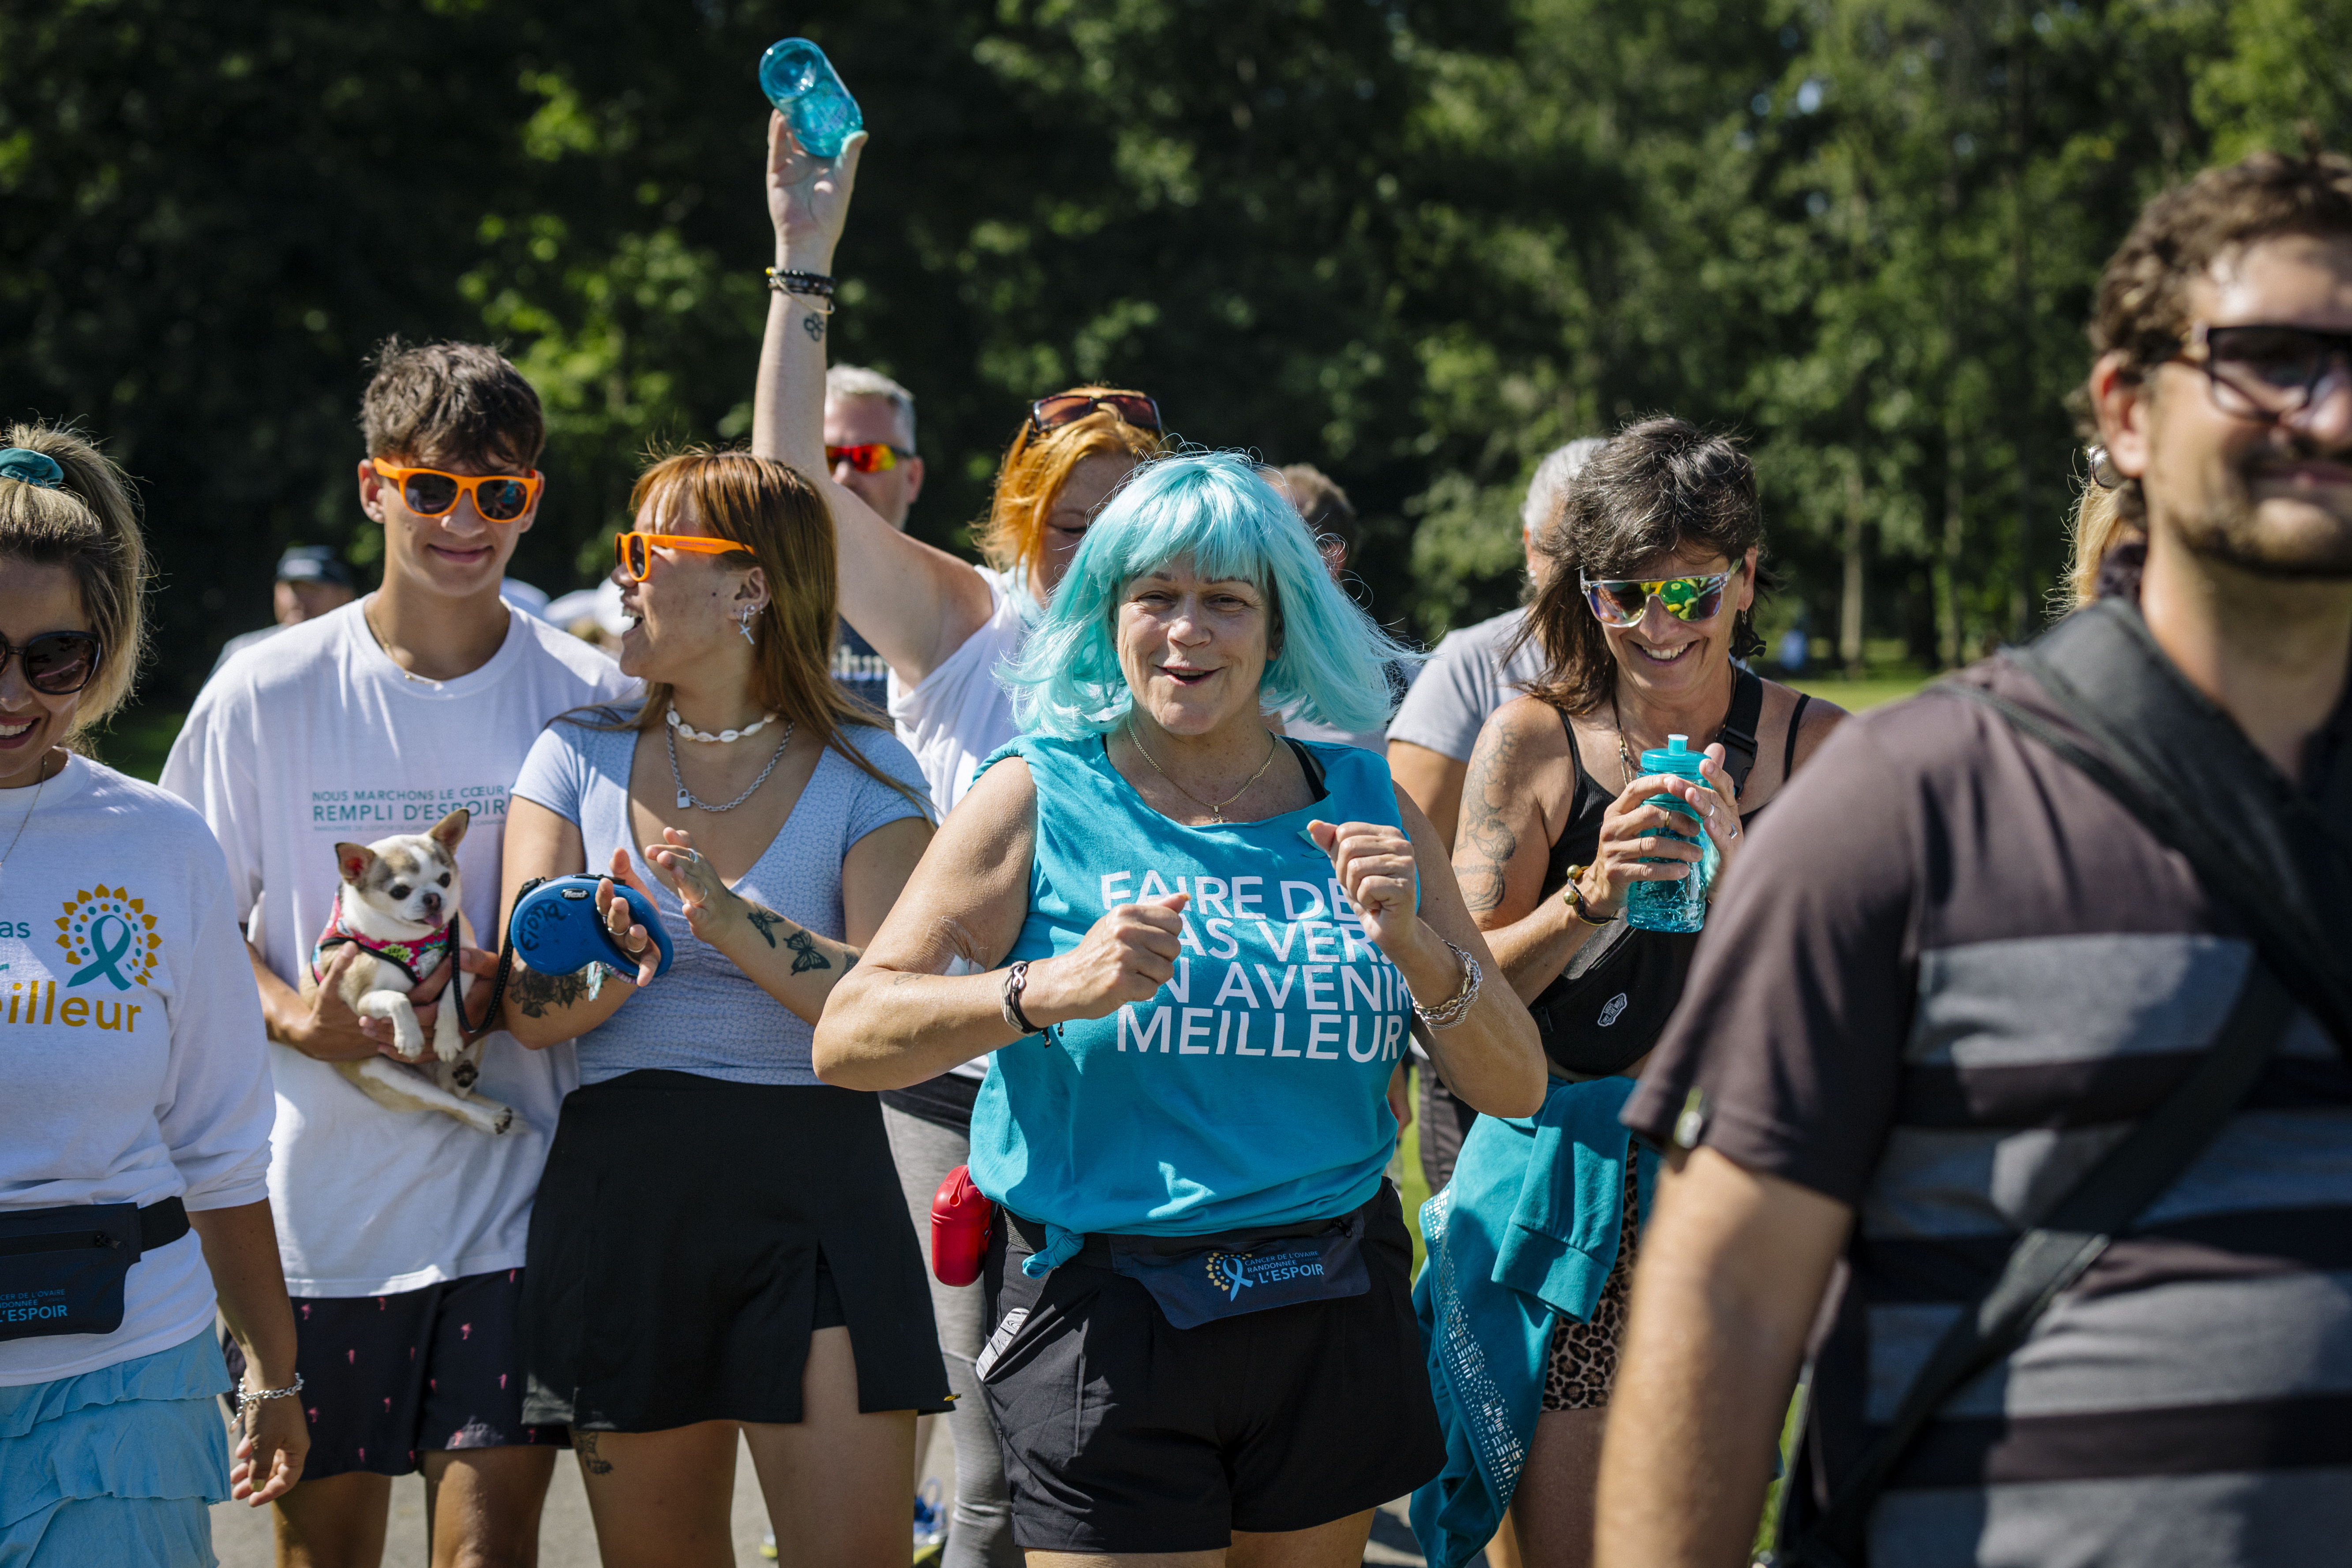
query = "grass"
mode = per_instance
[
  {"x": 1869, "y": 691},
  {"x": 138, "y": 740}
]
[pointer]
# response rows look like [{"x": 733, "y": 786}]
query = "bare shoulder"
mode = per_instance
[{"x": 1814, "y": 725}]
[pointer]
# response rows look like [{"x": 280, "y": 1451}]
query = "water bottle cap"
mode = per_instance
[{"x": 1678, "y": 744}]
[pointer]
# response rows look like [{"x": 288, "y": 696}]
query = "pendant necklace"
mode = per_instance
[
  {"x": 685, "y": 796},
  {"x": 1216, "y": 809},
  {"x": 40, "y": 780}
]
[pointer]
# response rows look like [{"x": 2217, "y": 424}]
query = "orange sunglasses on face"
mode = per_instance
[
  {"x": 429, "y": 492},
  {"x": 633, "y": 553}
]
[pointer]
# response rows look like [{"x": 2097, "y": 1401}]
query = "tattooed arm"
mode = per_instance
[
  {"x": 1521, "y": 783},
  {"x": 791, "y": 963},
  {"x": 542, "y": 1010}
]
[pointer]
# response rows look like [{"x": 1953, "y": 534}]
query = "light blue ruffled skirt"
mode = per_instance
[{"x": 115, "y": 1468}]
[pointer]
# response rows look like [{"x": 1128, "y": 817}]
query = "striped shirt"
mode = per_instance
[{"x": 1950, "y": 975}]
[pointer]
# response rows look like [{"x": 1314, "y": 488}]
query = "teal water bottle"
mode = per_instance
[
  {"x": 1673, "y": 906},
  {"x": 807, "y": 92}
]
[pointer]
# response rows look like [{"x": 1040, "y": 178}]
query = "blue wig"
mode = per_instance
[{"x": 1218, "y": 512}]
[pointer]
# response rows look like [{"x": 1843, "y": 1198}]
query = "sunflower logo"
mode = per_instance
[{"x": 112, "y": 935}]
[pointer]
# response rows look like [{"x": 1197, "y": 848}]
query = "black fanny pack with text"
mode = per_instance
[{"x": 61, "y": 1269}]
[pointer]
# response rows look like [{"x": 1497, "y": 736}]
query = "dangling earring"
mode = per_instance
[{"x": 743, "y": 624}]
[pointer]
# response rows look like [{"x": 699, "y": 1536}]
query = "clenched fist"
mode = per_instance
[{"x": 1127, "y": 955}]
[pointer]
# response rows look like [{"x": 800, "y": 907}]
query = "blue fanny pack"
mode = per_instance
[{"x": 1199, "y": 1279}]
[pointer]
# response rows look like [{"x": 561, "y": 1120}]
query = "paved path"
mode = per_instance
[{"x": 241, "y": 1535}]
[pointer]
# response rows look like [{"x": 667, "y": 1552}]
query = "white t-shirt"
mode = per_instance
[
  {"x": 316, "y": 736},
  {"x": 130, "y": 1061},
  {"x": 1463, "y": 681},
  {"x": 960, "y": 714}
]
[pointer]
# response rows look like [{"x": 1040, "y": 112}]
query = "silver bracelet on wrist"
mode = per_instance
[
  {"x": 1456, "y": 1007},
  {"x": 259, "y": 1394}
]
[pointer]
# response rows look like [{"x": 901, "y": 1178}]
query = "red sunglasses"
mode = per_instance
[{"x": 868, "y": 458}]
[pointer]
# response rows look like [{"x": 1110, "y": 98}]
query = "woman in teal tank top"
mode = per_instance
[{"x": 1202, "y": 950}]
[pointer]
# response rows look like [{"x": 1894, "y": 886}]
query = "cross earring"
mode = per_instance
[{"x": 743, "y": 624}]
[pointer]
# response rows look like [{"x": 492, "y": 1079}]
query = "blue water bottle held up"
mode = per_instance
[
  {"x": 1680, "y": 905},
  {"x": 807, "y": 92}
]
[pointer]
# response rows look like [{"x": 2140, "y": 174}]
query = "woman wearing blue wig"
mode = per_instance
[{"x": 1201, "y": 948}]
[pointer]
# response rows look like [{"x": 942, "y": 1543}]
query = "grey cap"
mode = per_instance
[{"x": 313, "y": 563}]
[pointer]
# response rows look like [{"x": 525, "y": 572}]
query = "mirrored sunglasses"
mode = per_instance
[
  {"x": 2265, "y": 372},
  {"x": 430, "y": 492},
  {"x": 633, "y": 553},
  {"x": 1623, "y": 601},
  {"x": 57, "y": 664},
  {"x": 869, "y": 458},
  {"x": 1068, "y": 407}
]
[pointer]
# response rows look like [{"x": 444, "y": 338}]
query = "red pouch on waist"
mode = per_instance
[{"x": 960, "y": 1220}]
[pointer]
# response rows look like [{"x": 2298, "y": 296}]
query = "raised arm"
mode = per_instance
[{"x": 914, "y": 603}]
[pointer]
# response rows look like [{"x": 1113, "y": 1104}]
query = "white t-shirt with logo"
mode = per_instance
[
  {"x": 316, "y": 736},
  {"x": 130, "y": 1056}
]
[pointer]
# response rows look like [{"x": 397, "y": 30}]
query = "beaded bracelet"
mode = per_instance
[
  {"x": 812, "y": 289},
  {"x": 1456, "y": 1007},
  {"x": 1571, "y": 893}
]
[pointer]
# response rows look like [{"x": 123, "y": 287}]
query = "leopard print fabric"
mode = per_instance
[{"x": 1583, "y": 1360}]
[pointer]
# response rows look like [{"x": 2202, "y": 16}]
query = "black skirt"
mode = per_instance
[{"x": 688, "y": 1236}]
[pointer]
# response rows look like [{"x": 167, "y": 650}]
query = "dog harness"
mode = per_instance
[{"x": 406, "y": 956}]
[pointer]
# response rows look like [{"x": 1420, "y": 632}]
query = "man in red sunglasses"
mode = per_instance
[{"x": 869, "y": 446}]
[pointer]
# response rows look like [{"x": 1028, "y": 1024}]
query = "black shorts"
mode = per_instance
[
  {"x": 385, "y": 1378},
  {"x": 1124, "y": 1435}
]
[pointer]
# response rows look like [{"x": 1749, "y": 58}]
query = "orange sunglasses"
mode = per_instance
[
  {"x": 633, "y": 553},
  {"x": 429, "y": 492}
]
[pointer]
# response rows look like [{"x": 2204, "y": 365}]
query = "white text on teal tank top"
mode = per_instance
[{"x": 1251, "y": 1090}]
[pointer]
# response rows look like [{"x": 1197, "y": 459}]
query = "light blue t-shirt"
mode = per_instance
[
  {"x": 1251, "y": 1090},
  {"x": 706, "y": 1016}
]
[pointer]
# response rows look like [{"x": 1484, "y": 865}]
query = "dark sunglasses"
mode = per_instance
[
  {"x": 57, "y": 664},
  {"x": 429, "y": 492},
  {"x": 1067, "y": 407},
  {"x": 2265, "y": 372},
  {"x": 870, "y": 457},
  {"x": 1622, "y": 602}
]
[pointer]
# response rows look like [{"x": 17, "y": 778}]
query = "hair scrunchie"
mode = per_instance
[{"x": 32, "y": 468}]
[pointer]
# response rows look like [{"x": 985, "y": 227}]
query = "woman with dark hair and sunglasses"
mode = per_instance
[
  {"x": 134, "y": 1100},
  {"x": 1645, "y": 613},
  {"x": 944, "y": 626}
]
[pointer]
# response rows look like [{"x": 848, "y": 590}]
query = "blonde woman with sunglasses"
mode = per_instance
[{"x": 1651, "y": 573}]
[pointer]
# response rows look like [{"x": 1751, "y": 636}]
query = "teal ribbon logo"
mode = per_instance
[
  {"x": 106, "y": 953},
  {"x": 111, "y": 935}
]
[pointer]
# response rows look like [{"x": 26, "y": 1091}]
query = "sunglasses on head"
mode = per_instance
[
  {"x": 633, "y": 553},
  {"x": 1067, "y": 408},
  {"x": 868, "y": 458},
  {"x": 429, "y": 492},
  {"x": 57, "y": 664},
  {"x": 1622, "y": 602},
  {"x": 2265, "y": 372}
]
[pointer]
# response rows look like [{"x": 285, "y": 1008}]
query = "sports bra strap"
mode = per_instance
[{"x": 1796, "y": 722}]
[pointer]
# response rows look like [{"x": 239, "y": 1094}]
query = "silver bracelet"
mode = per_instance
[
  {"x": 1456, "y": 1007},
  {"x": 1017, "y": 980},
  {"x": 259, "y": 1394}
]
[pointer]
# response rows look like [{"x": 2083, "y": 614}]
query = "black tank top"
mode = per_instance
[{"x": 1580, "y": 840}]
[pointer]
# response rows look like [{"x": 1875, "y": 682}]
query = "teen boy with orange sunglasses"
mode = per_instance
[{"x": 402, "y": 1236}]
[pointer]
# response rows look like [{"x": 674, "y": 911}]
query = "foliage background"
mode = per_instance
[{"x": 1418, "y": 244}]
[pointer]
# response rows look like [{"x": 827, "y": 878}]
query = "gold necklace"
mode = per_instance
[{"x": 1216, "y": 809}]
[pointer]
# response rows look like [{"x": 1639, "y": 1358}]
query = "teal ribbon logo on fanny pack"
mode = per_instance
[
  {"x": 1233, "y": 1272},
  {"x": 112, "y": 935}
]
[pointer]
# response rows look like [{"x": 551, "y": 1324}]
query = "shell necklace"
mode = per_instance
[{"x": 723, "y": 736}]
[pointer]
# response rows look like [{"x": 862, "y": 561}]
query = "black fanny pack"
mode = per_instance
[
  {"x": 1612, "y": 1002},
  {"x": 61, "y": 1269},
  {"x": 1198, "y": 1279}
]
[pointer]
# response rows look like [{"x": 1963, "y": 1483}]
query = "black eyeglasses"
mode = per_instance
[
  {"x": 57, "y": 664},
  {"x": 1067, "y": 408},
  {"x": 2265, "y": 371}
]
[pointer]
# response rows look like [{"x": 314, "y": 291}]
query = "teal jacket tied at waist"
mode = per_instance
[{"x": 1526, "y": 1234}]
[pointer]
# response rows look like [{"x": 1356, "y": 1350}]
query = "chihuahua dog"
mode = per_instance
[{"x": 399, "y": 902}]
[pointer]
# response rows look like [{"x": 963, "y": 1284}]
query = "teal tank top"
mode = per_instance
[{"x": 1251, "y": 1091}]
